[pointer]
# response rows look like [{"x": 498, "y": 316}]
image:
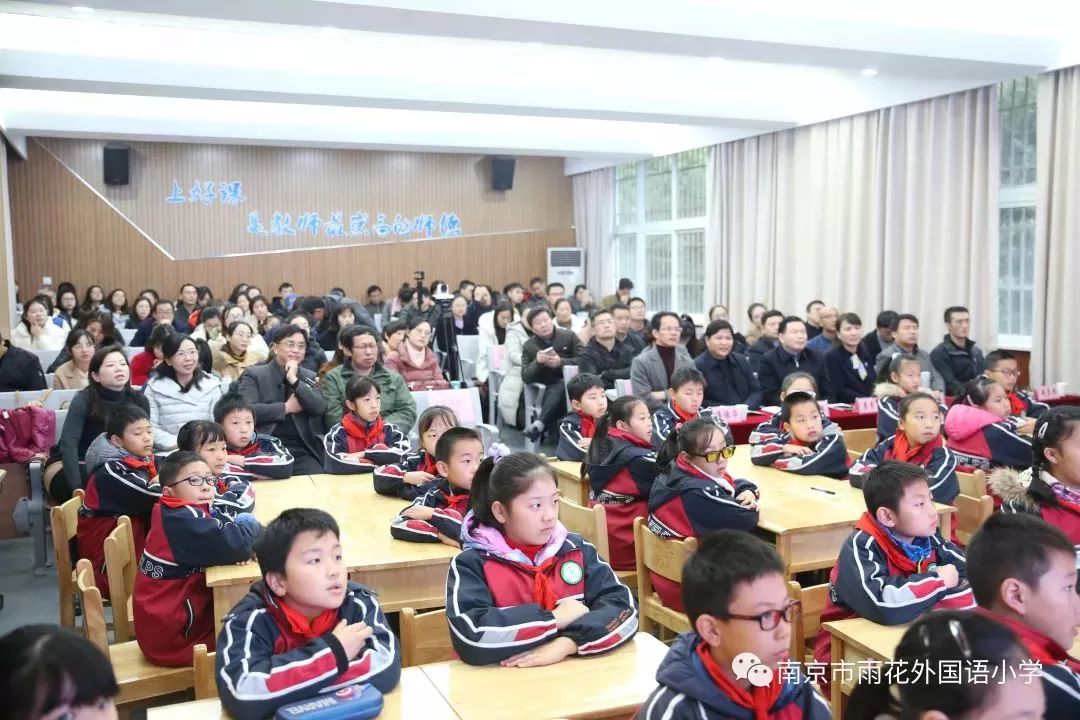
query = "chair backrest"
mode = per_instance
[
  {"x": 46, "y": 358},
  {"x": 624, "y": 387},
  {"x": 49, "y": 378},
  {"x": 93, "y": 609},
  {"x": 569, "y": 372},
  {"x": 205, "y": 685},
  {"x": 860, "y": 440},
  {"x": 589, "y": 523},
  {"x": 128, "y": 335},
  {"x": 60, "y": 399},
  {"x": 971, "y": 513},
  {"x": 425, "y": 638},
  {"x": 61, "y": 418},
  {"x": 804, "y": 632},
  {"x": 21, "y": 398},
  {"x": 972, "y": 484},
  {"x": 468, "y": 348},
  {"x": 132, "y": 351},
  {"x": 666, "y": 558},
  {"x": 64, "y": 520},
  {"x": 465, "y": 402},
  {"x": 497, "y": 359},
  {"x": 120, "y": 565}
]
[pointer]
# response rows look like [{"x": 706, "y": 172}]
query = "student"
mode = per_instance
[
  {"x": 980, "y": 430},
  {"x": 686, "y": 394},
  {"x": 967, "y": 643},
  {"x": 362, "y": 441},
  {"x": 737, "y": 602},
  {"x": 894, "y": 566},
  {"x": 54, "y": 673},
  {"x": 850, "y": 368},
  {"x": 917, "y": 441},
  {"x": 406, "y": 478},
  {"x": 1001, "y": 367},
  {"x": 694, "y": 495},
  {"x": 358, "y": 354},
  {"x": 589, "y": 403},
  {"x": 803, "y": 446},
  {"x": 524, "y": 592},
  {"x": 728, "y": 377},
  {"x": 903, "y": 376},
  {"x": 173, "y": 607},
  {"x": 791, "y": 355},
  {"x": 436, "y": 515},
  {"x": 123, "y": 481},
  {"x": 1051, "y": 489},
  {"x": 249, "y": 455},
  {"x": 770, "y": 430},
  {"x": 1023, "y": 574},
  {"x": 206, "y": 439},
  {"x": 957, "y": 358},
  {"x": 621, "y": 468},
  {"x": 305, "y": 629},
  {"x": 906, "y": 341}
]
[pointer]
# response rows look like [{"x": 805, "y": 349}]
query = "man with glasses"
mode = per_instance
[
  {"x": 164, "y": 314},
  {"x": 605, "y": 355},
  {"x": 1002, "y": 368},
  {"x": 651, "y": 371}
]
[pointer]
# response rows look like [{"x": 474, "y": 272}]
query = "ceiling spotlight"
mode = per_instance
[{"x": 869, "y": 72}]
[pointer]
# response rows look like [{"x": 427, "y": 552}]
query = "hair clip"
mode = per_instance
[
  {"x": 1040, "y": 431},
  {"x": 957, "y": 631},
  {"x": 498, "y": 451}
]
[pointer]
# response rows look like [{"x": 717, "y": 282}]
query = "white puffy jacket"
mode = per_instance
[{"x": 170, "y": 408}]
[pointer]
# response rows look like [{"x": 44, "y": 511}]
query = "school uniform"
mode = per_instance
[
  {"x": 729, "y": 380},
  {"x": 829, "y": 456},
  {"x": 1023, "y": 405},
  {"x": 173, "y": 607},
  {"x": 621, "y": 482},
  {"x": 957, "y": 365},
  {"x": 982, "y": 440},
  {"x": 889, "y": 396},
  {"x": 119, "y": 484},
  {"x": 770, "y": 430},
  {"x": 381, "y": 443},
  {"x": 264, "y": 458},
  {"x": 691, "y": 686},
  {"x": 450, "y": 505},
  {"x": 573, "y": 429},
  {"x": 686, "y": 502},
  {"x": 269, "y": 655},
  {"x": 877, "y": 578},
  {"x": 852, "y": 374},
  {"x": 1044, "y": 496},
  {"x": 778, "y": 363},
  {"x": 935, "y": 457},
  {"x": 499, "y": 597},
  {"x": 389, "y": 479},
  {"x": 671, "y": 417}
]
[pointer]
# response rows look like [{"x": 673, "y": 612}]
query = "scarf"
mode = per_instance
[
  {"x": 1017, "y": 406},
  {"x": 903, "y": 450},
  {"x": 250, "y": 449},
  {"x": 758, "y": 700},
  {"x": 588, "y": 425},
  {"x": 724, "y": 481},
  {"x": 360, "y": 435},
  {"x": 1041, "y": 648},
  {"x": 458, "y": 502},
  {"x": 147, "y": 464},
  {"x": 618, "y": 434},
  {"x": 318, "y": 626},
  {"x": 680, "y": 415},
  {"x": 543, "y": 595},
  {"x": 427, "y": 464},
  {"x": 908, "y": 558}
]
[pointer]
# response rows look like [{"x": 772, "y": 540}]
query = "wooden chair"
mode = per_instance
[
  {"x": 425, "y": 638},
  {"x": 972, "y": 484},
  {"x": 860, "y": 440},
  {"x": 65, "y": 523},
  {"x": 971, "y": 513},
  {"x": 666, "y": 558},
  {"x": 591, "y": 524},
  {"x": 136, "y": 677},
  {"x": 120, "y": 566},
  {"x": 205, "y": 684},
  {"x": 805, "y": 631}
]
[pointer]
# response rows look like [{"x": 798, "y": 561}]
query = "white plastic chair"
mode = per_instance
[
  {"x": 132, "y": 351},
  {"x": 128, "y": 335},
  {"x": 465, "y": 402},
  {"x": 469, "y": 351},
  {"x": 49, "y": 378},
  {"x": 624, "y": 387},
  {"x": 496, "y": 373},
  {"x": 46, "y": 358}
]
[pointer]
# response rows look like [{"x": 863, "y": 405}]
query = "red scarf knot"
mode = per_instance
[
  {"x": 896, "y": 556},
  {"x": 318, "y": 626},
  {"x": 758, "y": 700},
  {"x": 903, "y": 450},
  {"x": 146, "y": 464},
  {"x": 625, "y": 436},
  {"x": 543, "y": 594},
  {"x": 588, "y": 425},
  {"x": 362, "y": 436},
  {"x": 1016, "y": 404}
]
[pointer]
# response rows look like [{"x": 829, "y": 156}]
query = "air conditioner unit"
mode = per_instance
[{"x": 567, "y": 266}]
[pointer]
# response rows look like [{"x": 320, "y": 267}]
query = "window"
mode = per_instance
[
  {"x": 660, "y": 229},
  {"x": 1016, "y": 213}
]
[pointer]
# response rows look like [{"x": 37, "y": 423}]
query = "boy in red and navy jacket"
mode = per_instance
[
  {"x": 895, "y": 566},
  {"x": 250, "y": 456},
  {"x": 436, "y": 515},
  {"x": 305, "y": 630},
  {"x": 734, "y": 663},
  {"x": 686, "y": 393},
  {"x": 174, "y": 610},
  {"x": 235, "y": 494},
  {"x": 589, "y": 403},
  {"x": 389, "y": 479},
  {"x": 123, "y": 481},
  {"x": 803, "y": 447}
]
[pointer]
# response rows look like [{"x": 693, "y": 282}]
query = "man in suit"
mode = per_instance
[
  {"x": 651, "y": 371},
  {"x": 542, "y": 360},
  {"x": 770, "y": 332},
  {"x": 791, "y": 355}
]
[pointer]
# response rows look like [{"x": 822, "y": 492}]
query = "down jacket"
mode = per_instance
[{"x": 170, "y": 408}]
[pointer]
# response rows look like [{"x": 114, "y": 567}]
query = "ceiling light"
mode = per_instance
[
  {"x": 82, "y": 9},
  {"x": 869, "y": 72}
]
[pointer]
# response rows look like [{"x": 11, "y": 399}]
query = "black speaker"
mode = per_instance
[
  {"x": 502, "y": 172},
  {"x": 117, "y": 166}
]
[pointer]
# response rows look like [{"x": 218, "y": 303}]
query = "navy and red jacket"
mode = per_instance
[
  {"x": 685, "y": 502},
  {"x": 499, "y": 602},
  {"x": 981, "y": 440},
  {"x": 264, "y": 457},
  {"x": 235, "y": 493},
  {"x": 622, "y": 482},
  {"x": 770, "y": 430},
  {"x": 669, "y": 418},
  {"x": 686, "y": 691},
  {"x": 1037, "y": 498},
  {"x": 119, "y": 484},
  {"x": 1032, "y": 407},
  {"x": 889, "y": 396},
  {"x": 173, "y": 607},
  {"x": 941, "y": 467},
  {"x": 573, "y": 429},
  {"x": 263, "y": 663},
  {"x": 381, "y": 442},
  {"x": 389, "y": 479},
  {"x": 450, "y": 505},
  {"x": 829, "y": 456}
]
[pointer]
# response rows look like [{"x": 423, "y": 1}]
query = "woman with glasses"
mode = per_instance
[
  {"x": 235, "y": 356},
  {"x": 74, "y": 374},
  {"x": 179, "y": 391},
  {"x": 415, "y": 361}
]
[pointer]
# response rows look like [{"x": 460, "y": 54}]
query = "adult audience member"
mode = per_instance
[
  {"x": 651, "y": 371},
  {"x": 358, "y": 354},
  {"x": 791, "y": 356},
  {"x": 36, "y": 331},
  {"x": 605, "y": 355},
  {"x": 151, "y": 356},
  {"x": 465, "y": 289},
  {"x": 258, "y": 344},
  {"x": 73, "y": 374},
  {"x": 314, "y": 356},
  {"x": 770, "y": 337},
  {"x": 288, "y": 402},
  {"x": 851, "y": 370},
  {"x": 542, "y": 359},
  {"x": 95, "y": 295},
  {"x": 555, "y": 292},
  {"x": 415, "y": 361},
  {"x": 755, "y": 313},
  {"x": 481, "y": 304},
  {"x": 720, "y": 312},
  {"x": 582, "y": 299},
  {"x": 67, "y": 307},
  {"x": 187, "y": 304},
  {"x": 117, "y": 307},
  {"x": 621, "y": 313},
  {"x": 341, "y": 317},
  {"x": 19, "y": 369},
  {"x": 873, "y": 343},
  {"x": 621, "y": 295},
  {"x": 393, "y": 335},
  {"x": 688, "y": 336},
  {"x": 492, "y": 331},
  {"x": 728, "y": 377},
  {"x": 141, "y": 310},
  {"x": 234, "y": 357},
  {"x": 209, "y": 327},
  {"x": 164, "y": 314},
  {"x": 260, "y": 310},
  {"x": 517, "y": 334},
  {"x": 375, "y": 303},
  {"x": 566, "y": 318},
  {"x": 99, "y": 326},
  {"x": 813, "y": 318},
  {"x": 906, "y": 341},
  {"x": 827, "y": 339},
  {"x": 639, "y": 324},
  {"x": 459, "y": 323},
  {"x": 956, "y": 358},
  {"x": 282, "y": 302},
  {"x": 537, "y": 292},
  {"x": 179, "y": 391},
  {"x": 515, "y": 293}
]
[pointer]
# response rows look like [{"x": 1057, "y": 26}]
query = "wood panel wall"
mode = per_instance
[
  {"x": 7, "y": 308},
  {"x": 63, "y": 227}
]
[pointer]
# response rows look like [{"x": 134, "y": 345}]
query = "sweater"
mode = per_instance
[{"x": 425, "y": 376}]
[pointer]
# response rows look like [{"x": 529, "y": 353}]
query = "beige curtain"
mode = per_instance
[
  {"x": 1057, "y": 231},
  {"x": 890, "y": 209},
  {"x": 594, "y": 223}
]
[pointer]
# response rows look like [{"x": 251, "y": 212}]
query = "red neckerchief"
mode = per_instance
[
  {"x": 680, "y": 416},
  {"x": 359, "y": 436},
  {"x": 1039, "y": 647},
  {"x": 458, "y": 502},
  {"x": 757, "y": 700},
  {"x": 692, "y": 469},
  {"x": 140, "y": 464},
  {"x": 896, "y": 556},
  {"x": 1016, "y": 404},
  {"x": 588, "y": 425},
  {"x": 248, "y": 450},
  {"x": 427, "y": 464},
  {"x": 1065, "y": 496},
  {"x": 903, "y": 450},
  {"x": 543, "y": 595},
  {"x": 318, "y": 626},
  {"x": 629, "y": 437},
  {"x": 175, "y": 502}
]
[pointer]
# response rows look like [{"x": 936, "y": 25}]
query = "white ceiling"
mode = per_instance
[{"x": 595, "y": 81}]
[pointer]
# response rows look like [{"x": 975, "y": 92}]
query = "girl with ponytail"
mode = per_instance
[
  {"x": 695, "y": 495},
  {"x": 980, "y": 430},
  {"x": 621, "y": 467},
  {"x": 524, "y": 592}
]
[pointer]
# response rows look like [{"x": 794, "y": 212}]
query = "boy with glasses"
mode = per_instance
[{"x": 1002, "y": 368}]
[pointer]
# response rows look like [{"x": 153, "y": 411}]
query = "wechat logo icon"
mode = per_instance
[{"x": 747, "y": 666}]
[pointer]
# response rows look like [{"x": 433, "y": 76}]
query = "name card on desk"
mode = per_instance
[
  {"x": 823, "y": 405},
  {"x": 731, "y": 413},
  {"x": 866, "y": 405},
  {"x": 1047, "y": 392}
]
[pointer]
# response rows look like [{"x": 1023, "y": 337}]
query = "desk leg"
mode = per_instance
[
  {"x": 225, "y": 596},
  {"x": 836, "y": 687},
  {"x": 783, "y": 548}
]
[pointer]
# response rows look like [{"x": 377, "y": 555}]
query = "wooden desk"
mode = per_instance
[
  {"x": 608, "y": 686},
  {"x": 415, "y": 698},
  {"x": 571, "y": 486}
]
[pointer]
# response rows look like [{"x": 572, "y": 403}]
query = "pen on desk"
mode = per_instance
[{"x": 827, "y": 492}]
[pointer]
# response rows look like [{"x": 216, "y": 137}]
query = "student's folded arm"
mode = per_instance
[
  {"x": 643, "y": 472},
  {"x": 864, "y": 585},
  {"x": 482, "y": 633},
  {"x": 335, "y": 447},
  {"x": 133, "y": 490},
  {"x": 273, "y": 461},
  {"x": 766, "y": 453},
  {"x": 238, "y": 497},
  {"x": 612, "y": 618},
  {"x": 389, "y": 479},
  {"x": 869, "y": 460},
  {"x": 265, "y": 413},
  {"x": 199, "y": 541},
  {"x": 379, "y": 662},
  {"x": 829, "y": 458},
  {"x": 949, "y": 554},
  {"x": 448, "y": 522},
  {"x": 942, "y": 471},
  {"x": 1007, "y": 446},
  {"x": 710, "y": 511}
]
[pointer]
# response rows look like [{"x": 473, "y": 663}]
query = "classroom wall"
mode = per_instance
[
  {"x": 67, "y": 224},
  {"x": 7, "y": 289}
]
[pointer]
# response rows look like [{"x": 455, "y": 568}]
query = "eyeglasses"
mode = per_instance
[
  {"x": 715, "y": 455},
  {"x": 196, "y": 481},
  {"x": 1008, "y": 373},
  {"x": 187, "y": 353},
  {"x": 770, "y": 619},
  {"x": 294, "y": 346}
]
